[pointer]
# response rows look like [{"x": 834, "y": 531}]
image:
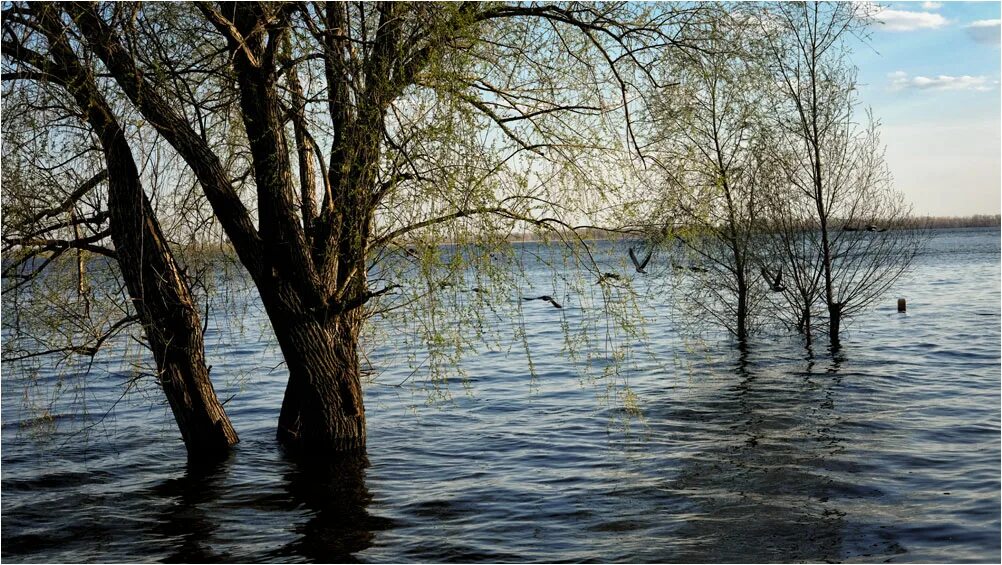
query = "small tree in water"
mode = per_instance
[
  {"x": 712, "y": 165},
  {"x": 779, "y": 194},
  {"x": 841, "y": 230}
]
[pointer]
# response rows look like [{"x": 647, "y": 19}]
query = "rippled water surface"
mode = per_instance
[{"x": 889, "y": 451}]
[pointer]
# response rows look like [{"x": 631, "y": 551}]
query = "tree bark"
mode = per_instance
[
  {"x": 166, "y": 307},
  {"x": 323, "y": 410}
]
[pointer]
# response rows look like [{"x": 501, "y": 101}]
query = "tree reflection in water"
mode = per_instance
[
  {"x": 336, "y": 496},
  {"x": 762, "y": 493},
  {"x": 187, "y": 522},
  {"x": 331, "y": 495}
]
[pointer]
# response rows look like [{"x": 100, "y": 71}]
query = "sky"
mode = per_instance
[{"x": 930, "y": 73}]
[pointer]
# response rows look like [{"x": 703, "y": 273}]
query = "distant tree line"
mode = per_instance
[{"x": 975, "y": 221}]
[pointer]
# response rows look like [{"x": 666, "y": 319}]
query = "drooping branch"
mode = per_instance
[
  {"x": 383, "y": 240},
  {"x": 87, "y": 350}
]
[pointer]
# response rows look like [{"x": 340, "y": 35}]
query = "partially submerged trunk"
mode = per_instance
[
  {"x": 834, "y": 324},
  {"x": 323, "y": 407},
  {"x": 742, "y": 291},
  {"x": 158, "y": 291},
  {"x": 322, "y": 411},
  {"x": 316, "y": 288},
  {"x": 742, "y": 329},
  {"x": 815, "y": 139},
  {"x": 166, "y": 308},
  {"x": 805, "y": 322}
]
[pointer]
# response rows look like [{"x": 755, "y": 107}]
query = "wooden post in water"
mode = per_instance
[{"x": 901, "y": 305}]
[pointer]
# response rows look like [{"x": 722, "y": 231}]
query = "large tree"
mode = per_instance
[{"x": 357, "y": 127}]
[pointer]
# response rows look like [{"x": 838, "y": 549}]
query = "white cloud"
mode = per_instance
[
  {"x": 932, "y": 5},
  {"x": 903, "y": 20},
  {"x": 901, "y": 81},
  {"x": 986, "y": 31}
]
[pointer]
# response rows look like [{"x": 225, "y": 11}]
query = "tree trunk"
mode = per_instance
[
  {"x": 184, "y": 377},
  {"x": 322, "y": 411},
  {"x": 834, "y": 324},
  {"x": 166, "y": 308},
  {"x": 82, "y": 293},
  {"x": 742, "y": 328},
  {"x": 158, "y": 291},
  {"x": 805, "y": 321}
]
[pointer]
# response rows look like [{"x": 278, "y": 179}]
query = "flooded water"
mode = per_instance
[{"x": 888, "y": 451}]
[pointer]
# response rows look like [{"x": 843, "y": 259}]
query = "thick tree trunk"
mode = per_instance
[
  {"x": 322, "y": 411},
  {"x": 158, "y": 291},
  {"x": 178, "y": 346}
]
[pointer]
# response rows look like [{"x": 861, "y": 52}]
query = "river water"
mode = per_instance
[{"x": 692, "y": 451}]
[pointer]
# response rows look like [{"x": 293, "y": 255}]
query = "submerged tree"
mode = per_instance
[
  {"x": 359, "y": 129},
  {"x": 713, "y": 163},
  {"x": 833, "y": 167},
  {"x": 40, "y": 58},
  {"x": 777, "y": 190}
]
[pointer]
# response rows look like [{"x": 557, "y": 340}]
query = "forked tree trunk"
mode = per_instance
[{"x": 159, "y": 293}]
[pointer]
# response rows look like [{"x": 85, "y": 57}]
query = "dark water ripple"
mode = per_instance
[{"x": 888, "y": 451}]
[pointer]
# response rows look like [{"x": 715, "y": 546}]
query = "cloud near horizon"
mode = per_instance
[
  {"x": 986, "y": 31},
  {"x": 903, "y": 20},
  {"x": 901, "y": 81}
]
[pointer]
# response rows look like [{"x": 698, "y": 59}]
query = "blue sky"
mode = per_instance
[{"x": 930, "y": 73}]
